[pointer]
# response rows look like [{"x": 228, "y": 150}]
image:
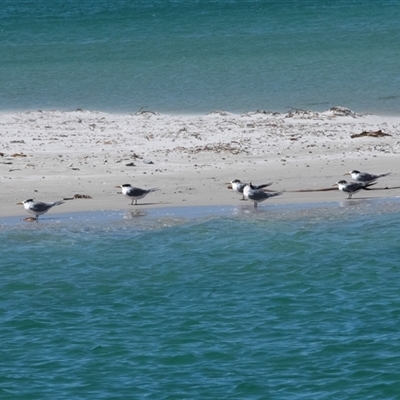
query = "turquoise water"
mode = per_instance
[
  {"x": 240, "y": 305},
  {"x": 181, "y": 56}
]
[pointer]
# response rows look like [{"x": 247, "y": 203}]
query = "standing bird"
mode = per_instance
[
  {"x": 238, "y": 186},
  {"x": 135, "y": 193},
  {"x": 365, "y": 177},
  {"x": 258, "y": 195},
  {"x": 352, "y": 187},
  {"x": 38, "y": 207}
]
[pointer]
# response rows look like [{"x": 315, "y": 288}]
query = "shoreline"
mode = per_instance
[
  {"x": 195, "y": 114},
  {"x": 169, "y": 216},
  {"x": 54, "y": 155}
]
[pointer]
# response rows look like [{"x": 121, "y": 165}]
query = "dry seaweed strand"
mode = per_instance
[
  {"x": 78, "y": 196},
  {"x": 335, "y": 188},
  {"x": 378, "y": 133}
]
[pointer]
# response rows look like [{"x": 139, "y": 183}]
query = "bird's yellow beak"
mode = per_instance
[
  {"x": 347, "y": 173},
  {"x": 20, "y": 203},
  {"x": 335, "y": 184},
  {"x": 119, "y": 186}
]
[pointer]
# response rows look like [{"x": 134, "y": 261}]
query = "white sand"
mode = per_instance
[{"x": 54, "y": 155}]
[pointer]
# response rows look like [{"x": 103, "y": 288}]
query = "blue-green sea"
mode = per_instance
[
  {"x": 196, "y": 56},
  {"x": 280, "y": 303}
]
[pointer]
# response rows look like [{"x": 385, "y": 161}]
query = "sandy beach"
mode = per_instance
[{"x": 81, "y": 156}]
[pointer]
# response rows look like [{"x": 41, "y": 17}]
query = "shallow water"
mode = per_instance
[
  {"x": 181, "y": 56},
  {"x": 281, "y": 303}
]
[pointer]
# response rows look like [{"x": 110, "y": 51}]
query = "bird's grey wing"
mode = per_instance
[
  {"x": 273, "y": 194},
  {"x": 368, "y": 184},
  {"x": 263, "y": 185},
  {"x": 134, "y": 191},
  {"x": 257, "y": 195},
  {"x": 353, "y": 186},
  {"x": 365, "y": 177},
  {"x": 40, "y": 207}
]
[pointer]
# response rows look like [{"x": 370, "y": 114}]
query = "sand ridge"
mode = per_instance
[{"x": 51, "y": 155}]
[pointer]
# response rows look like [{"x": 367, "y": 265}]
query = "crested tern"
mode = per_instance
[
  {"x": 238, "y": 186},
  {"x": 135, "y": 193},
  {"x": 365, "y": 177},
  {"x": 352, "y": 187},
  {"x": 258, "y": 195},
  {"x": 38, "y": 207}
]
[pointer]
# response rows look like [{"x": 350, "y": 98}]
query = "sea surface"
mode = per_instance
[
  {"x": 197, "y": 56},
  {"x": 277, "y": 303}
]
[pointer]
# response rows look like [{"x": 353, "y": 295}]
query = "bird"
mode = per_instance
[
  {"x": 135, "y": 193},
  {"x": 238, "y": 186},
  {"x": 258, "y": 195},
  {"x": 365, "y": 177},
  {"x": 352, "y": 187},
  {"x": 38, "y": 207}
]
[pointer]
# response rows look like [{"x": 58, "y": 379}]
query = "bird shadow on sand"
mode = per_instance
[{"x": 144, "y": 204}]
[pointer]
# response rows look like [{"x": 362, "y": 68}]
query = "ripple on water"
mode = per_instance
[{"x": 277, "y": 304}]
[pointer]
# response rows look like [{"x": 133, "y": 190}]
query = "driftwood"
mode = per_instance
[
  {"x": 313, "y": 190},
  {"x": 370, "y": 133}
]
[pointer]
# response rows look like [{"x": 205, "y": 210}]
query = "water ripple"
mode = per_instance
[{"x": 208, "y": 308}]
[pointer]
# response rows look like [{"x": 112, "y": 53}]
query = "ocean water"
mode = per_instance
[
  {"x": 279, "y": 303},
  {"x": 196, "y": 56}
]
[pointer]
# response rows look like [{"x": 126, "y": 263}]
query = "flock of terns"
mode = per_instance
[{"x": 256, "y": 194}]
